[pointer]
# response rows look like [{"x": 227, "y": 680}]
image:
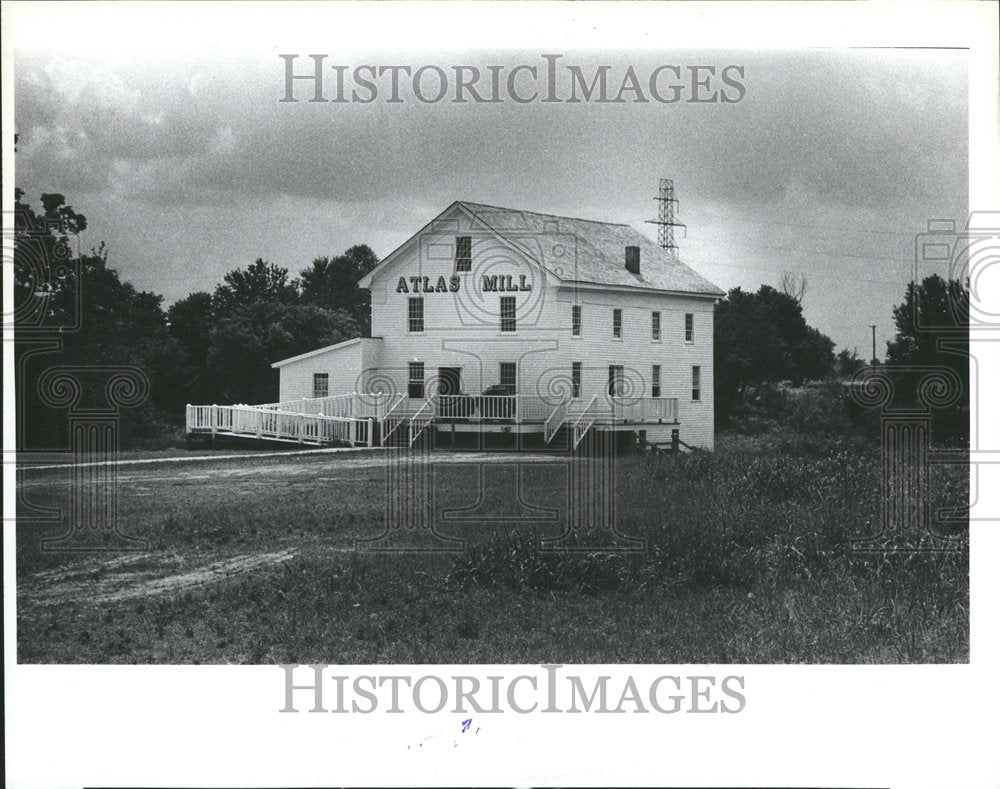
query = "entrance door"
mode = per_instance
[
  {"x": 449, "y": 381},
  {"x": 449, "y": 390},
  {"x": 616, "y": 378}
]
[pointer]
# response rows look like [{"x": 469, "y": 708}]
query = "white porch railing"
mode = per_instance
[
  {"x": 532, "y": 408},
  {"x": 350, "y": 418},
  {"x": 555, "y": 420},
  {"x": 585, "y": 421},
  {"x": 496, "y": 408},
  {"x": 644, "y": 409},
  {"x": 516, "y": 408}
]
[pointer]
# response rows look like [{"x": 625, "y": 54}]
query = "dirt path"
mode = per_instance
[
  {"x": 103, "y": 579},
  {"x": 273, "y": 466},
  {"x": 136, "y": 576},
  {"x": 201, "y": 458}
]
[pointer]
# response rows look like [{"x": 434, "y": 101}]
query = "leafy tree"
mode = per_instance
[
  {"x": 41, "y": 249},
  {"x": 333, "y": 283},
  {"x": 932, "y": 331},
  {"x": 206, "y": 348},
  {"x": 259, "y": 282},
  {"x": 932, "y": 312},
  {"x": 190, "y": 321},
  {"x": 79, "y": 308},
  {"x": 763, "y": 338},
  {"x": 813, "y": 357},
  {"x": 243, "y": 345},
  {"x": 848, "y": 363},
  {"x": 58, "y": 213}
]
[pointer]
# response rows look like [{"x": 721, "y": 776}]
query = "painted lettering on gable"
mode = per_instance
[
  {"x": 498, "y": 283},
  {"x": 504, "y": 283}
]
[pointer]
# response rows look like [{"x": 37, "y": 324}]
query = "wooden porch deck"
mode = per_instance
[{"x": 366, "y": 420}]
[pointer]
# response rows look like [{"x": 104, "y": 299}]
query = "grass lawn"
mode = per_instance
[{"x": 747, "y": 559}]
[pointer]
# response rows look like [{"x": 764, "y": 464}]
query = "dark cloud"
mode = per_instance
[{"x": 876, "y": 138}]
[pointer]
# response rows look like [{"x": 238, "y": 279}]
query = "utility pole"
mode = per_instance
[
  {"x": 667, "y": 216},
  {"x": 874, "y": 358}
]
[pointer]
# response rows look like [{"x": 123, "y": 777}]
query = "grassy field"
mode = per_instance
[{"x": 748, "y": 559}]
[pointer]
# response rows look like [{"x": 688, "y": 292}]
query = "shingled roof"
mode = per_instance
[{"x": 581, "y": 250}]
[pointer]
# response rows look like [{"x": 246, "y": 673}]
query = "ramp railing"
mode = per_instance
[
  {"x": 251, "y": 421},
  {"x": 420, "y": 420},
  {"x": 393, "y": 417},
  {"x": 355, "y": 404},
  {"x": 585, "y": 421},
  {"x": 555, "y": 420}
]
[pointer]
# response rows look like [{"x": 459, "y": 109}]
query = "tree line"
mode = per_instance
[
  {"x": 73, "y": 310},
  {"x": 762, "y": 339}
]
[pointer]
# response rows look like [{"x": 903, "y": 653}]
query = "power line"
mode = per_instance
[
  {"x": 800, "y": 249},
  {"x": 814, "y": 227},
  {"x": 841, "y": 277}
]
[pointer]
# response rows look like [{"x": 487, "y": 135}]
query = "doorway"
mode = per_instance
[
  {"x": 449, "y": 381},
  {"x": 451, "y": 403},
  {"x": 616, "y": 379}
]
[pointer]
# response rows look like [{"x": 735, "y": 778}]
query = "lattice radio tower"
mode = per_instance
[{"x": 667, "y": 219}]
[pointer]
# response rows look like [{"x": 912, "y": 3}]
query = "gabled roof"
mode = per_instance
[
  {"x": 318, "y": 351},
  {"x": 598, "y": 250},
  {"x": 582, "y": 250}
]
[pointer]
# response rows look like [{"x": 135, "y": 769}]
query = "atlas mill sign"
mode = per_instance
[{"x": 492, "y": 283}]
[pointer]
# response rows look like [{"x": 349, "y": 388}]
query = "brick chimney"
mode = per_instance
[{"x": 632, "y": 259}]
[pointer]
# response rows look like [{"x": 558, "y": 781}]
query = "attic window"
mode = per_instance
[
  {"x": 632, "y": 260},
  {"x": 463, "y": 253}
]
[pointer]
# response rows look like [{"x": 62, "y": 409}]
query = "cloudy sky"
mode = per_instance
[{"x": 189, "y": 166}]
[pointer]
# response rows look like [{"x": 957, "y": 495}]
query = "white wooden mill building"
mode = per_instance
[{"x": 496, "y": 320}]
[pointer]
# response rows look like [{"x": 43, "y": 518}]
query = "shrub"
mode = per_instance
[
  {"x": 820, "y": 411},
  {"x": 518, "y": 561}
]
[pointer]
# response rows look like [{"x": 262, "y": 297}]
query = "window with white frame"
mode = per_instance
[
  {"x": 696, "y": 383},
  {"x": 577, "y": 320},
  {"x": 655, "y": 385},
  {"x": 656, "y": 326},
  {"x": 508, "y": 375},
  {"x": 415, "y": 384},
  {"x": 321, "y": 384},
  {"x": 415, "y": 314},
  {"x": 689, "y": 327},
  {"x": 577, "y": 379},
  {"x": 508, "y": 313},
  {"x": 616, "y": 324}
]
